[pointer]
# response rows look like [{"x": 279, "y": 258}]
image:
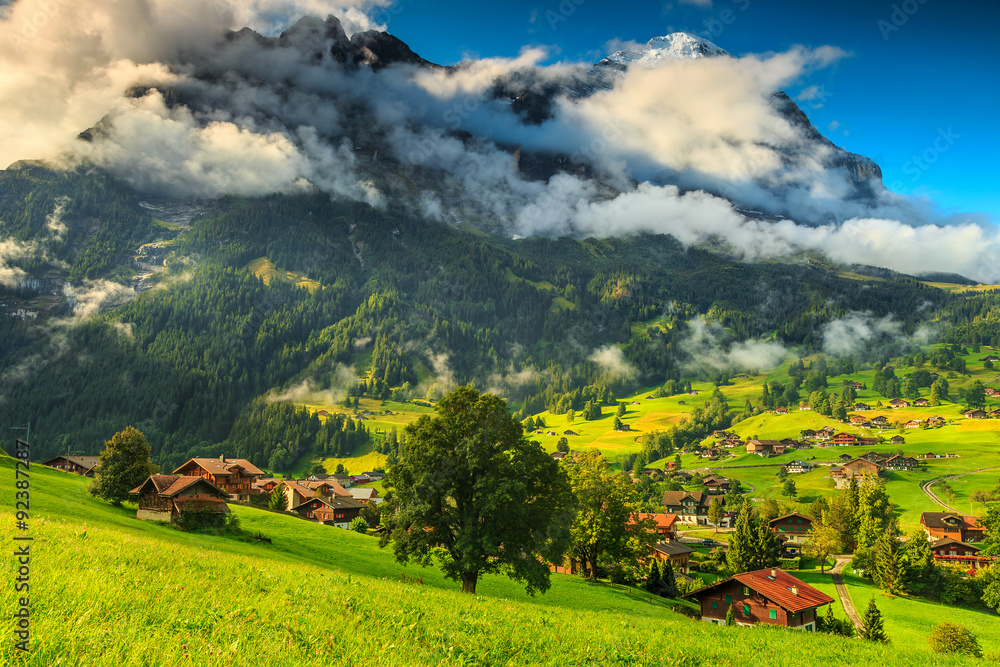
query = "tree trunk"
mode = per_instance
[{"x": 469, "y": 581}]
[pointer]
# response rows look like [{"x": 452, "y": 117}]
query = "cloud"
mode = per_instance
[
  {"x": 91, "y": 296},
  {"x": 708, "y": 351},
  {"x": 12, "y": 250},
  {"x": 613, "y": 364},
  {"x": 862, "y": 334}
]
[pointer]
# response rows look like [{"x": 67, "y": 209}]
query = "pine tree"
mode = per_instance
[
  {"x": 715, "y": 513},
  {"x": 278, "y": 500},
  {"x": 888, "y": 572},
  {"x": 621, "y": 410},
  {"x": 124, "y": 465},
  {"x": 730, "y": 616},
  {"x": 669, "y": 582},
  {"x": 767, "y": 546},
  {"x": 529, "y": 425},
  {"x": 618, "y": 424},
  {"x": 873, "y": 630},
  {"x": 740, "y": 557},
  {"x": 654, "y": 583}
]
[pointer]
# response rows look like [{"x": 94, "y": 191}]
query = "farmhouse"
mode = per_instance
[
  {"x": 881, "y": 421},
  {"x": 691, "y": 507},
  {"x": 897, "y": 440},
  {"x": 366, "y": 495},
  {"x": 770, "y": 596},
  {"x": 976, "y": 414},
  {"x": 716, "y": 485},
  {"x": 921, "y": 403},
  {"x": 860, "y": 467},
  {"x": 858, "y": 420},
  {"x": 165, "y": 497},
  {"x": 781, "y": 411},
  {"x": 861, "y": 407},
  {"x": 900, "y": 462},
  {"x": 666, "y": 524},
  {"x": 678, "y": 554},
  {"x": 807, "y": 433},
  {"x": 333, "y": 511},
  {"x": 844, "y": 439},
  {"x": 913, "y": 423},
  {"x": 990, "y": 391},
  {"x": 570, "y": 433},
  {"x": 959, "y": 527},
  {"x": 793, "y": 530},
  {"x": 796, "y": 467},
  {"x": 765, "y": 448},
  {"x": 959, "y": 553},
  {"x": 804, "y": 407},
  {"x": 78, "y": 465},
  {"x": 897, "y": 403},
  {"x": 234, "y": 476},
  {"x": 990, "y": 357}
]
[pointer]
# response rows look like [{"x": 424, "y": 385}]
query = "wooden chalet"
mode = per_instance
[
  {"x": 78, "y": 465},
  {"x": 665, "y": 524},
  {"x": 990, "y": 391},
  {"x": 678, "y": 554},
  {"x": 898, "y": 403},
  {"x": 234, "y": 476},
  {"x": 807, "y": 434},
  {"x": 165, "y": 497},
  {"x": 770, "y": 597},
  {"x": 858, "y": 420},
  {"x": 954, "y": 552},
  {"x": 976, "y": 414},
  {"x": 716, "y": 485},
  {"x": 781, "y": 410},
  {"x": 266, "y": 484},
  {"x": 844, "y": 458},
  {"x": 766, "y": 448},
  {"x": 990, "y": 357},
  {"x": 691, "y": 507},
  {"x": 861, "y": 467},
  {"x": 366, "y": 495},
  {"x": 897, "y": 440},
  {"x": 861, "y": 407},
  {"x": 335, "y": 511},
  {"x": 880, "y": 421},
  {"x": 844, "y": 439},
  {"x": 797, "y": 467},
  {"x": 921, "y": 403},
  {"x": 913, "y": 423},
  {"x": 900, "y": 462},
  {"x": 793, "y": 530},
  {"x": 298, "y": 492},
  {"x": 959, "y": 527}
]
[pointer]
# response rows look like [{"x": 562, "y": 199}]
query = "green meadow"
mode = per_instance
[{"x": 107, "y": 589}]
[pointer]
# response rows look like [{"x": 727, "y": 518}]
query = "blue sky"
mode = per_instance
[{"x": 919, "y": 93}]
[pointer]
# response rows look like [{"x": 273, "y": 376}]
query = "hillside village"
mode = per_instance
[{"x": 785, "y": 464}]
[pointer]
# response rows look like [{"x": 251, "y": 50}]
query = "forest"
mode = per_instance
[{"x": 402, "y": 308}]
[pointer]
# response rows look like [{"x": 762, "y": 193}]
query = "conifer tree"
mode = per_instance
[
  {"x": 767, "y": 546},
  {"x": 730, "y": 616},
  {"x": 654, "y": 583},
  {"x": 669, "y": 582},
  {"x": 278, "y": 500},
  {"x": 873, "y": 630},
  {"x": 888, "y": 572},
  {"x": 621, "y": 410},
  {"x": 740, "y": 556}
]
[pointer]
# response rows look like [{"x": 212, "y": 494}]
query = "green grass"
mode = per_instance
[
  {"x": 908, "y": 621},
  {"x": 110, "y": 590}
]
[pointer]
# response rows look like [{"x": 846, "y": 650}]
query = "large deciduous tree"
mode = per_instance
[
  {"x": 606, "y": 524},
  {"x": 124, "y": 465},
  {"x": 469, "y": 482}
]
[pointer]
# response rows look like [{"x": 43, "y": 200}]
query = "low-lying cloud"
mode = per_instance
[
  {"x": 862, "y": 334},
  {"x": 708, "y": 350}
]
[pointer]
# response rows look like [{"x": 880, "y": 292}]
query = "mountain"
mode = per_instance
[{"x": 675, "y": 46}]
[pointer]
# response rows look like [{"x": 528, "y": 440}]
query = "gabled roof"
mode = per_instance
[
  {"x": 947, "y": 541},
  {"x": 221, "y": 468},
  {"x": 673, "y": 548},
  {"x": 789, "y": 516},
  {"x": 675, "y": 497},
  {"x": 85, "y": 462},
  {"x": 936, "y": 520},
  {"x": 171, "y": 485},
  {"x": 663, "y": 521},
  {"x": 778, "y": 588}
]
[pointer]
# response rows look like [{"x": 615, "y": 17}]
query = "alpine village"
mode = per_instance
[{"x": 316, "y": 352}]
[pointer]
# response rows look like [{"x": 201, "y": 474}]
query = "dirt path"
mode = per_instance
[{"x": 845, "y": 598}]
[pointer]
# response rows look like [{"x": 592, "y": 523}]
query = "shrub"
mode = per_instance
[
  {"x": 359, "y": 525},
  {"x": 953, "y": 638},
  {"x": 790, "y": 563}
]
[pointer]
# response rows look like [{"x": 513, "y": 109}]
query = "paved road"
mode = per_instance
[
  {"x": 845, "y": 598},
  {"x": 926, "y": 486}
]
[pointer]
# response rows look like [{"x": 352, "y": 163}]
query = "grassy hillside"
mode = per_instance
[{"x": 109, "y": 590}]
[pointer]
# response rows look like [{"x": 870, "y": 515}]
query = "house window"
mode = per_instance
[
  {"x": 746, "y": 610},
  {"x": 729, "y": 599},
  {"x": 715, "y": 604},
  {"x": 772, "y": 614},
  {"x": 746, "y": 590}
]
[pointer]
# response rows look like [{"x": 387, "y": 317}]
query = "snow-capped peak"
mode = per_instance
[{"x": 675, "y": 46}]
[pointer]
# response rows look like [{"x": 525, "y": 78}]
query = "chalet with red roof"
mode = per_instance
[
  {"x": 665, "y": 525},
  {"x": 165, "y": 497},
  {"x": 952, "y": 525},
  {"x": 770, "y": 597},
  {"x": 78, "y": 465},
  {"x": 236, "y": 477}
]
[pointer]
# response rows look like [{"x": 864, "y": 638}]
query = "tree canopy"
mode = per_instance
[
  {"x": 468, "y": 481},
  {"x": 124, "y": 465}
]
